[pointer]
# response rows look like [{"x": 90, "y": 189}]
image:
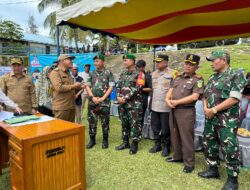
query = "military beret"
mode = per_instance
[
  {"x": 129, "y": 56},
  {"x": 192, "y": 58},
  {"x": 99, "y": 56},
  {"x": 161, "y": 57},
  {"x": 218, "y": 54},
  {"x": 17, "y": 60}
]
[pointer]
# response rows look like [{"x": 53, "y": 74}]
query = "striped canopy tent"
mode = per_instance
[{"x": 160, "y": 21}]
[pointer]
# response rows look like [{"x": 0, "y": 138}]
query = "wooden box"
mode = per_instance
[{"x": 47, "y": 156}]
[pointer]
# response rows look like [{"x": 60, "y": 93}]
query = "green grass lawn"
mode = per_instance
[
  {"x": 111, "y": 169},
  {"x": 117, "y": 170}
]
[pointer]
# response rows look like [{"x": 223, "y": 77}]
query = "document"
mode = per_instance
[{"x": 5, "y": 115}]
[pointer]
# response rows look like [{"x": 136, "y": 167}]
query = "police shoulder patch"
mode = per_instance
[
  {"x": 199, "y": 83},
  {"x": 175, "y": 74}
]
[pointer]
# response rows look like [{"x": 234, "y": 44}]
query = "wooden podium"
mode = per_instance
[{"x": 46, "y": 156}]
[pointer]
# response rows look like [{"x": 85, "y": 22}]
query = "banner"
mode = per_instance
[
  {"x": 38, "y": 62},
  {"x": 4, "y": 70}
]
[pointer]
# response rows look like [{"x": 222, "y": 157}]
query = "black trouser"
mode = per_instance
[
  {"x": 45, "y": 111},
  {"x": 160, "y": 126},
  {"x": 144, "y": 109}
]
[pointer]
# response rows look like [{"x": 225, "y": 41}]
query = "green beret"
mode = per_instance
[
  {"x": 99, "y": 56},
  {"x": 129, "y": 56}
]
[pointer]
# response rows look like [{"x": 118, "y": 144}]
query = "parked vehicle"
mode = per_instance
[
  {"x": 165, "y": 48},
  {"x": 160, "y": 48},
  {"x": 210, "y": 43}
]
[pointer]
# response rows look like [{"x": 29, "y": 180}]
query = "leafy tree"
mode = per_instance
[
  {"x": 10, "y": 30},
  {"x": 66, "y": 33},
  {"x": 32, "y": 27}
]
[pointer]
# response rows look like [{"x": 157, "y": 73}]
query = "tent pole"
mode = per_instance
[
  {"x": 57, "y": 41},
  {"x": 154, "y": 59}
]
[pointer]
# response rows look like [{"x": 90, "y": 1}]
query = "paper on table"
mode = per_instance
[
  {"x": 43, "y": 118},
  {"x": 5, "y": 115}
]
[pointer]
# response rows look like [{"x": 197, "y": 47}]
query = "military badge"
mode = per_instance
[{"x": 199, "y": 83}]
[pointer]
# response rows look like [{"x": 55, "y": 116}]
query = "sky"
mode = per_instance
[{"x": 19, "y": 12}]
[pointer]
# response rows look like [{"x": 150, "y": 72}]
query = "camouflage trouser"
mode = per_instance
[
  {"x": 131, "y": 122},
  {"x": 104, "y": 113},
  {"x": 226, "y": 137}
]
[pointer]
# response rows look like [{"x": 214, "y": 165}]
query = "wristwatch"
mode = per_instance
[{"x": 214, "y": 110}]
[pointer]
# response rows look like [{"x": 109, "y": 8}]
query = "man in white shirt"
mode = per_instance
[
  {"x": 8, "y": 102},
  {"x": 85, "y": 76}
]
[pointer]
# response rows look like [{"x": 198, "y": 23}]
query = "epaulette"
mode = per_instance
[
  {"x": 175, "y": 74},
  {"x": 198, "y": 76},
  {"x": 178, "y": 74}
]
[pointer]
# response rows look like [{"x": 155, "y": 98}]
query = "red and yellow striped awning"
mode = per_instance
[{"x": 161, "y": 21}]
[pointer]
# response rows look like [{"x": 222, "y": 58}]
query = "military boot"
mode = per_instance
[
  {"x": 231, "y": 184},
  {"x": 134, "y": 147},
  {"x": 212, "y": 172},
  {"x": 105, "y": 143},
  {"x": 165, "y": 151},
  {"x": 156, "y": 147},
  {"x": 124, "y": 145},
  {"x": 91, "y": 142}
]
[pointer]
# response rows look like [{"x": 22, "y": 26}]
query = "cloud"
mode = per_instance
[{"x": 19, "y": 13}]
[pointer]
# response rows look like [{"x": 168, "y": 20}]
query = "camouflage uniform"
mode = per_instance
[
  {"x": 131, "y": 111},
  {"x": 223, "y": 126},
  {"x": 99, "y": 82}
]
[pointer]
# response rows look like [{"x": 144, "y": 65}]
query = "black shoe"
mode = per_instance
[
  {"x": 188, "y": 169},
  {"x": 156, "y": 148},
  {"x": 105, "y": 143},
  {"x": 231, "y": 184},
  {"x": 134, "y": 147},
  {"x": 91, "y": 142},
  {"x": 170, "y": 159},
  {"x": 212, "y": 172},
  {"x": 165, "y": 151},
  {"x": 123, "y": 146}
]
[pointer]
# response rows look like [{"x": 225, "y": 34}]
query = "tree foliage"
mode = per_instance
[
  {"x": 10, "y": 30},
  {"x": 32, "y": 27},
  {"x": 76, "y": 35},
  {"x": 66, "y": 33}
]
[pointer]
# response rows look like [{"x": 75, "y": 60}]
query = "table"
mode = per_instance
[
  {"x": 244, "y": 144},
  {"x": 46, "y": 155}
]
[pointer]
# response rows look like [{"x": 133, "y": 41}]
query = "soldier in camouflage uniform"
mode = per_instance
[
  {"x": 99, "y": 86},
  {"x": 221, "y": 107},
  {"x": 129, "y": 88}
]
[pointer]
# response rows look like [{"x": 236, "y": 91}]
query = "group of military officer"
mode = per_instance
[
  {"x": 173, "y": 106},
  {"x": 173, "y": 110}
]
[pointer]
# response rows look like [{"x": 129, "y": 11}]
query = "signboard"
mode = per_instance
[
  {"x": 4, "y": 70},
  {"x": 39, "y": 61}
]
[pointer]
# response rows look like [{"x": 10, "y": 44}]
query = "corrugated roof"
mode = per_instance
[{"x": 46, "y": 40}]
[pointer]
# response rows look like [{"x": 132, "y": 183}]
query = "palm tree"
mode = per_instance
[{"x": 66, "y": 33}]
